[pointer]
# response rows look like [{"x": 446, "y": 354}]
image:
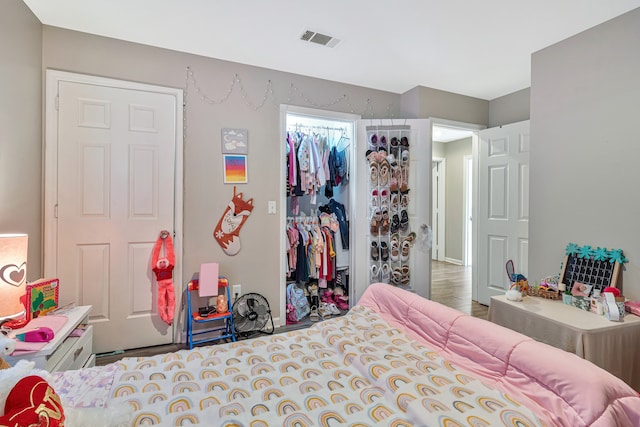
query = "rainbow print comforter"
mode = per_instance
[{"x": 354, "y": 370}]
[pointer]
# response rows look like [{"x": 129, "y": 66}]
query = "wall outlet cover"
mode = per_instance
[{"x": 237, "y": 290}]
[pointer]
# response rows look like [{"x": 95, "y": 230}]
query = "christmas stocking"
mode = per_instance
[
  {"x": 163, "y": 268},
  {"x": 227, "y": 232}
]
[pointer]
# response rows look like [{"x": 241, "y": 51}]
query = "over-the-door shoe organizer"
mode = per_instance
[{"x": 391, "y": 238}]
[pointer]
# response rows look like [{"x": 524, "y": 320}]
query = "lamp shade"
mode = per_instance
[{"x": 13, "y": 274}]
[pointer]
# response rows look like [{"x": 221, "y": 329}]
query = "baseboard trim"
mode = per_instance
[
  {"x": 276, "y": 322},
  {"x": 453, "y": 261}
]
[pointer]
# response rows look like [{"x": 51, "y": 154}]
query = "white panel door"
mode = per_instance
[
  {"x": 503, "y": 206},
  {"x": 115, "y": 193}
]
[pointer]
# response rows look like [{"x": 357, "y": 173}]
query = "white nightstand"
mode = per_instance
[{"x": 65, "y": 352}]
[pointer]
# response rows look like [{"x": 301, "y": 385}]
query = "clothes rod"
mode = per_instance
[{"x": 300, "y": 125}]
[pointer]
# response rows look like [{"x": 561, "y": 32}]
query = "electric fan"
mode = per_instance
[{"x": 251, "y": 314}]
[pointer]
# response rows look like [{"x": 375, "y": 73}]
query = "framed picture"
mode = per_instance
[
  {"x": 581, "y": 290},
  {"x": 234, "y": 141},
  {"x": 235, "y": 168}
]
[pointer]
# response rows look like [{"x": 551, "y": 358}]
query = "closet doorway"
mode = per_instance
[{"x": 318, "y": 184}]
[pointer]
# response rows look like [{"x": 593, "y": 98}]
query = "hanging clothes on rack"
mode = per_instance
[
  {"x": 305, "y": 247},
  {"x": 302, "y": 264},
  {"x": 317, "y": 171},
  {"x": 328, "y": 225},
  {"x": 338, "y": 209},
  {"x": 313, "y": 161}
]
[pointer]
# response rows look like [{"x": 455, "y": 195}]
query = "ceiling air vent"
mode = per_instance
[{"x": 318, "y": 38}]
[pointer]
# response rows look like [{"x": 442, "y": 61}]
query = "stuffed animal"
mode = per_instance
[
  {"x": 163, "y": 269},
  {"x": 7, "y": 345}
]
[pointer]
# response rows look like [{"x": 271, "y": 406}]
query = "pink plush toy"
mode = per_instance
[{"x": 163, "y": 268}]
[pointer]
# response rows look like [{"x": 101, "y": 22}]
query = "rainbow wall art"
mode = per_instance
[{"x": 235, "y": 169}]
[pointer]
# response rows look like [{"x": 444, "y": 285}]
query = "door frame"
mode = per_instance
[
  {"x": 351, "y": 212},
  {"x": 440, "y": 230},
  {"x": 50, "y": 190},
  {"x": 467, "y": 223},
  {"x": 475, "y": 141}
]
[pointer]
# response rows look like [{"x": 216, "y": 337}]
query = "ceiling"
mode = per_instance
[
  {"x": 476, "y": 48},
  {"x": 449, "y": 134}
]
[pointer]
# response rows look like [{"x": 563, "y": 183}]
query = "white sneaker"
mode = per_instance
[{"x": 333, "y": 309}]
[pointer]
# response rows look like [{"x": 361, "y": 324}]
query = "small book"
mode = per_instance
[{"x": 42, "y": 297}]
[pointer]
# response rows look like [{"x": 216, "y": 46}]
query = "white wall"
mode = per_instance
[{"x": 585, "y": 147}]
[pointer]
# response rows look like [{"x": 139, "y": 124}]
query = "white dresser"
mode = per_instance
[{"x": 65, "y": 352}]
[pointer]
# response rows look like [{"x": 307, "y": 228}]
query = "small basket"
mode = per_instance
[
  {"x": 549, "y": 293},
  {"x": 551, "y": 290}
]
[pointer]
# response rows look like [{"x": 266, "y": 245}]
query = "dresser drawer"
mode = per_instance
[{"x": 74, "y": 352}]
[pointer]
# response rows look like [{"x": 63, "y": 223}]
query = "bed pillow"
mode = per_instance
[{"x": 32, "y": 402}]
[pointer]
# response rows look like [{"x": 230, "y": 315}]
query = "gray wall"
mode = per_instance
[
  {"x": 453, "y": 152},
  {"x": 454, "y": 197},
  {"x": 423, "y": 102},
  {"x": 585, "y": 105},
  {"x": 511, "y": 108},
  {"x": 20, "y": 127}
]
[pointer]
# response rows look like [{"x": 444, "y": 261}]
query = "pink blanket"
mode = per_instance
[
  {"x": 53, "y": 321},
  {"x": 560, "y": 387}
]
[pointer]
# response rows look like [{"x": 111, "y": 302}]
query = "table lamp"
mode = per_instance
[{"x": 13, "y": 274}]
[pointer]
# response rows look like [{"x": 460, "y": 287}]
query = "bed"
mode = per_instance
[{"x": 394, "y": 359}]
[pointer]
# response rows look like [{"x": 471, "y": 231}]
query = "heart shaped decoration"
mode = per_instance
[
  {"x": 13, "y": 275},
  {"x": 33, "y": 402}
]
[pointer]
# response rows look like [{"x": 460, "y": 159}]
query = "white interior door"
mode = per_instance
[
  {"x": 503, "y": 206},
  {"x": 117, "y": 150}
]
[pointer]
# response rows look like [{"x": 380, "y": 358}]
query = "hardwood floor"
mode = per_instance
[{"x": 450, "y": 285}]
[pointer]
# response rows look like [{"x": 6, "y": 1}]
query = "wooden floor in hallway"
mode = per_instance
[{"x": 451, "y": 286}]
